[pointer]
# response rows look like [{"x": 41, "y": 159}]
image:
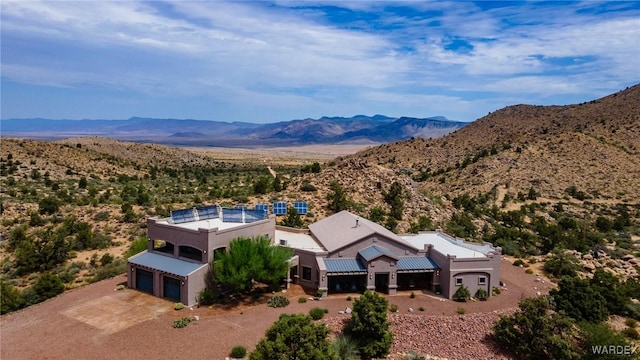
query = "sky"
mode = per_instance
[{"x": 265, "y": 62}]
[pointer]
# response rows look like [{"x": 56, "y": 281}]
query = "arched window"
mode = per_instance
[{"x": 190, "y": 253}]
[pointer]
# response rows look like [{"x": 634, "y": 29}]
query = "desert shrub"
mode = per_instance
[
  {"x": 412, "y": 295},
  {"x": 518, "y": 262},
  {"x": 293, "y": 337},
  {"x": 117, "y": 267},
  {"x": 278, "y": 301},
  {"x": 578, "y": 299},
  {"x": 462, "y": 294},
  {"x": 207, "y": 296},
  {"x": 529, "y": 271},
  {"x": 137, "y": 246},
  {"x": 349, "y": 298},
  {"x": 238, "y": 352},
  {"x": 178, "y": 306},
  {"x": 393, "y": 308},
  {"x": 106, "y": 259},
  {"x": 631, "y": 322},
  {"x": 319, "y": 293},
  {"x": 307, "y": 187},
  {"x": 316, "y": 313},
  {"x": 482, "y": 294},
  {"x": 460, "y": 310},
  {"x": 302, "y": 300},
  {"x": 101, "y": 216},
  {"x": 561, "y": 263},
  {"x": 631, "y": 333},
  {"x": 182, "y": 322},
  {"x": 496, "y": 290},
  {"x": 421, "y": 308}
]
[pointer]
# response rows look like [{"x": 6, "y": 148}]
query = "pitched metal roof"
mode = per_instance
[
  {"x": 416, "y": 263},
  {"x": 344, "y": 266},
  {"x": 165, "y": 263},
  {"x": 374, "y": 251}
]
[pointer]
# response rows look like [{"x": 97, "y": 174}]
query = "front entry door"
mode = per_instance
[{"x": 382, "y": 282}]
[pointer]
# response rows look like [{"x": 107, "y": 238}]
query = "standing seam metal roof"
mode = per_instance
[
  {"x": 373, "y": 251},
  {"x": 416, "y": 263},
  {"x": 344, "y": 266},
  {"x": 164, "y": 263}
]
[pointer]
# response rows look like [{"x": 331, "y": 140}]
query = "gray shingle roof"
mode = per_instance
[
  {"x": 344, "y": 266},
  {"x": 413, "y": 263},
  {"x": 165, "y": 263}
]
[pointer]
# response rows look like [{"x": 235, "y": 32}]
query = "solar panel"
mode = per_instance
[
  {"x": 183, "y": 216},
  {"x": 254, "y": 215},
  {"x": 207, "y": 212},
  {"x": 241, "y": 207},
  {"x": 232, "y": 215},
  {"x": 280, "y": 208},
  {"x": 263, "y": 207},
  {"x": 301, "y": 207}
]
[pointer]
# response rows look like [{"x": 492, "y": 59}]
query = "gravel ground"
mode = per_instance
[{"x": 55, "y": 330}]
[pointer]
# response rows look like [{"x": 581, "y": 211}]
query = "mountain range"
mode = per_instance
[{"x": 356, "y": 129}]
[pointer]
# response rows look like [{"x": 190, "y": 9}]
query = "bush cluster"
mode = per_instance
[
  {"x": 278, "y": 301},
  {"x": 182, "y": 322}
]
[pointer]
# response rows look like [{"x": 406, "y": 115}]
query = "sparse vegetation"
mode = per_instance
[{"x": 278, "y": 301}]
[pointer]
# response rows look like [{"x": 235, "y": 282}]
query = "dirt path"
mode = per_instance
[
  {"x": 273, "y": 172},
  {"x": 98, "y": 322}
]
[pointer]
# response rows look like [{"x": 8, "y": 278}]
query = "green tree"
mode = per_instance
[
  {"x": 535, "y": 333},
  {"x": 294, "y": 337},
  {"x": 395, "y": 198},
  {"x": 49, "y": 205},
  {"x": 277, "y": 184},
  {"x": 598, "y": 335},
  {"x": 251, "y": 259},
  {"x": 377, "y": 214},
  {"x": 82, "y": 184},
  {"x": 47, "y": 286},
  {"x": 337, "y": 198},
  {"x": 603, "y": 224},
  {"x": 315, "y": 167},
  {"x": 292, "y": 219},
  {"x": 561, "y": 263},
  {"x": 10, "y": 298},
  {"x": 369, "y": 325},
  {"x": 579, "y": 300},
  {"x": 262, "y": 185},
  {"x": 423, "y": 223},
  {"x": 609, "y": 286}
]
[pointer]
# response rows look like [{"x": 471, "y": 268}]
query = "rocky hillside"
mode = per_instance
[{"x": 592, "y": 148}]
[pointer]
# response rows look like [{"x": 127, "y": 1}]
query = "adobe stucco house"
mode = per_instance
[
  {"x": 180, "y": 249},
  {"x": 341, "y": 253},
  {"x": 347, "y": 253}
]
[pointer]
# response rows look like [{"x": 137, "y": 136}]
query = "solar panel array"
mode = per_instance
[
  {"x": 183, "y": 216},
  {"x": 254, "y": 215},
  {"x": 241, "y": 207},
  {"x": 207, "y": 212},
  {"x": 232, "y": 215},
  {"x": 280, "y": 208},
  {"x": 301, "y": 207},
  {"x": 263, "y": 207}
]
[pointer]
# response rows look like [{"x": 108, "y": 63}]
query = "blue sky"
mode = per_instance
[{"x": 274, "y": 61}]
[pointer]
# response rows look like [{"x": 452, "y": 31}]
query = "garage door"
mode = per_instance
[
  {"x": 144, "y": 280},
  {"x": 171, "y": 288}
]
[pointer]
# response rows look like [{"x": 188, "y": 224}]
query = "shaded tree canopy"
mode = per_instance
[
  {"x": 294, "y": 337},
  {"x": 251, "y": 259},
  {"x": 369, "y": 326}
]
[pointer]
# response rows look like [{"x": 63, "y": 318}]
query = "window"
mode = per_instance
[
  {"x": 482, "y": 280},
  {"x": 306, "y": 273},
  {"x": 163, "y": 246},
  {"x": 190, "y": 253},
  {"x": 458, "y": 281}
]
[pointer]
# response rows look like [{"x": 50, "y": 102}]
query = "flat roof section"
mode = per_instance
[
  {"x": 202, "y": 224},
  {"x": 443, "y": 244},
  {"x": 165, "y": 263},
  {"x": 296, "y": 240}
]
